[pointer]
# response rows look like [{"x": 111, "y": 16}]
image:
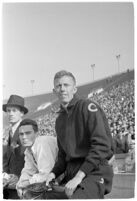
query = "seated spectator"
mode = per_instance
[
  {"x": 40, "y": 155},
  {"x": 13, "y": 152},
  {"x": 121, "y": 143}
]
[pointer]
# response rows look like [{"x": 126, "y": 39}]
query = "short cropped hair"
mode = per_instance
[
  {"x": 64, "y": 73},
  {"x": 31, "y": 122}
]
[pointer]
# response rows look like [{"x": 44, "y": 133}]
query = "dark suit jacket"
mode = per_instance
[
  {"x": 13, "y": 160},
  {"x": 13, "y": 155}
]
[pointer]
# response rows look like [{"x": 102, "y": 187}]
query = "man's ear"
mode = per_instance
[
  {"x": 54, "y": 91},
  {"x": 75, "y": 90},
  {"x": 22, "y": 113}
]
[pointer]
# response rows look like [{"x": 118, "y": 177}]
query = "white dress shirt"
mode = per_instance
[
  {"x": 40, "y": 160},
  {"x": 14, "y": 128}
]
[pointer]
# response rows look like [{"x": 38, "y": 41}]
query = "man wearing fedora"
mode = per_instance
[{"x": 13, "y": 151}]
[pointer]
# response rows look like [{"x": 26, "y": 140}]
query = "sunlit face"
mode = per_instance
[
  {"x": 14, "y": 114},
  {"x": 65, "y": 89},
  {"x": 27, "y": 135}
]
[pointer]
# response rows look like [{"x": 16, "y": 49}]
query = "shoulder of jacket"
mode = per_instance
[
  {"x": 44, "y": 139},
  {"x": 89, "y": 105},
  {"x": 6, "y": 130},
  {"x": 6, "y": 135}
]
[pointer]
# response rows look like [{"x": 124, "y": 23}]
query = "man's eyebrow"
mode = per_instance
[
  {"x": 25, "y": 132},
  {"x": 28, "y": 131}
]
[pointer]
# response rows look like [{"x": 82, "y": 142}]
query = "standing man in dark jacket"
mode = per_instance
[
  {"x": 13, "y": 152},
  {"x": 85, "y": 144}
]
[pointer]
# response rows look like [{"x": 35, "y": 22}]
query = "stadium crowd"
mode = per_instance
[
  {"x": 118, "y": 104},
  {"x": 46, "y": 123}
]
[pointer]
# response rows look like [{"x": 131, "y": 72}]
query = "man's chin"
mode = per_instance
[
  {"x": 12, "y": 121},
  {"x": 27, "y": 145},
  {"x": 64, "y": 102}
]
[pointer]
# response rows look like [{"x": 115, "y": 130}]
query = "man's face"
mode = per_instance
[
  {"x": 27, "y": 135},
  {"x": 14, "y": 114},
  {"x": 65, "y": 89}
]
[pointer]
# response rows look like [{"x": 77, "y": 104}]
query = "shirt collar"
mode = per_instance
[
  {"x": 15, "y": 126},
  {"x": 70, "y": 105}
]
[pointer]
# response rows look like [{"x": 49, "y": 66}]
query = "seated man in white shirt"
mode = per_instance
[{"x": 40, "y": 155}]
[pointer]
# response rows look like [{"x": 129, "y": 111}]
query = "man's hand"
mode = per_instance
[
  {"x": 20, "y": 192},
  {"x": 5, "y": 182},
  {"x": 50, "y": 177},
  {"x": 23, "y": 184},
  {"x": 6, "y": 179},
  {"x": 20, "y": 187},
  {"x": 71, "y": 186},
  {"x": 13, "y": 181}
]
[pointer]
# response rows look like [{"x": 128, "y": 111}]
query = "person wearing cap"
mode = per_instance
[
  {"x": 85, "y": 144},
  {"x": 13, "y": 152},
  {"x": 40, "y": 155}
]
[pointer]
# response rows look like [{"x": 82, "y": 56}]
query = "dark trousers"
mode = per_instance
[
  {"x": 90, "y": 188},
  {"x": 10, "y": 194},
  {"x": 52, "y": 195},
  {"x": 93, "y": 186}
]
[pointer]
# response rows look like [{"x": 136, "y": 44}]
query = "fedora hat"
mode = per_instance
[{"x": 15, "y": 100}]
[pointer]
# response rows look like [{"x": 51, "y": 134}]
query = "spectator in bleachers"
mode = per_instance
[{"x": 118, "y": 104}]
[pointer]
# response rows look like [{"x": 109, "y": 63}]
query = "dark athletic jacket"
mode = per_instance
[{"x": 83, "y": 136}]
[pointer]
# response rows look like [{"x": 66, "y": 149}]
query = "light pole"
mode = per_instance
[
  {"x": 118, "y": 58},
  {"x": 32, "y": 83},
  {"x": 93, "y": 66}
]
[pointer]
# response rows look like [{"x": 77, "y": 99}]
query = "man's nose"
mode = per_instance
[
  {"x": 10, "y": 113},
  {"x": 23, "y": 136},
  {"x": 62, "y": 88}
]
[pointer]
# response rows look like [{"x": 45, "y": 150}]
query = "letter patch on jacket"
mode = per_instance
[{"x": 92, "y": 107}]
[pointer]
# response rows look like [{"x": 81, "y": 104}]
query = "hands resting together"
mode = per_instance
[
  {"x": 71, "y": 185},
  {"x": 10, "y": 180}
]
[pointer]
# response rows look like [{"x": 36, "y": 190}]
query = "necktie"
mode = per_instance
[
  {"x": 10, "y": 136},
  {"x": 11, "y": 133},
  {"x": 12, "y": 142},
  {"x": 31, "y": 152}
]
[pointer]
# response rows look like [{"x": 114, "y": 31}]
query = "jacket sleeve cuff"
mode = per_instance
[
  {"x": 56, "y": 172},
  {"x": 87, "y": 167}
]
